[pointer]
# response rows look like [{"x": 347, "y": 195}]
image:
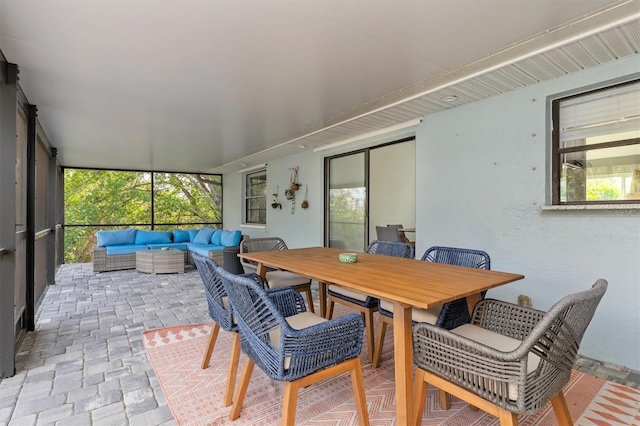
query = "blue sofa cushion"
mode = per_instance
[
  {"x": 113, "y": 238},
  {"x": 216, "y": 236},
  {"x": 204, "y": 236},
  {"x": 153, "y": 237},
  {"x": 177, "y": 246},
  {"x": 204, "y": 249},
  {"x": 125, "y": 249},
  {"x": 180, "y": 236},
  {"x": 230, "y": 238},
  {"x": 192, "y": 234}
]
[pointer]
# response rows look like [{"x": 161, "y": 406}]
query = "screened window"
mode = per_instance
[
  {"x": 596, "y": 146},
  {"x": 255, "y": 197}
]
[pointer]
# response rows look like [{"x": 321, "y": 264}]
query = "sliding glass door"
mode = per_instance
[
  {"x": 368, "y": 188},
  {"x": 346, "y": 194}
]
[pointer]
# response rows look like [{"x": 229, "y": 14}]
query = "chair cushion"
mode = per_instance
[
  {"x": 153, "y": 237},
  {"x": 230, "y": 238},
  {"x": 501, "y": 343},
  {"x": 125, "y": 249},
  {"x": 203, "y": 249},
  {"x": 116, "y": 238},
  {"x": 429, "y": 316},
  {"x": 180, "y": 236},
  {"x": 216, "y": 236},
  {"x": 353, "y": 294},
  {"x": 204, "y": 236},
  {"x": 297, "y": 322},
  {"x": 277, "y": 279},
  {"x": 192, "y": 234}
]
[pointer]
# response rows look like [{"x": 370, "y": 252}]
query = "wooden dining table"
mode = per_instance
[{"x": 405, "y": 282}]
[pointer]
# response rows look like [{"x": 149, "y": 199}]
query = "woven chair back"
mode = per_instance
[
  {"x": 215, "y": 292},
  {"x": 253, "y": 245},
  {"x": 392, "y": 248},
  {"x": 458, "y": 256}
]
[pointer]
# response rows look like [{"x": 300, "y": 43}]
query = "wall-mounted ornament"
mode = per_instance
[
  {"x": 294, "y": 185},
  {"x": 275, "y": 203},
  {"x": 305, "y": 203},
  {"x": 290, "y": 194}
]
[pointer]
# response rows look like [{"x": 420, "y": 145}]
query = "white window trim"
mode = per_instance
[{"x": 247, "y": 172}]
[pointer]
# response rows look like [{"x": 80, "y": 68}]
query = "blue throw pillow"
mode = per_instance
[
  {"x": 230, "y": 238},
  {"x": 153, "y": 237},
  {"x": 192, "y": 234},
  {"x": 181, "y": 236},
  {"x": 116, "y": 238},
  {"x": 215, "y": 238},
  {"x": 204, "y": 236}
]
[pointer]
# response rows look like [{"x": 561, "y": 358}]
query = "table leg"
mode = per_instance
[
  {"x": 403, "y": 354},
  {"x": 322, "y": 289},
  {"x": 261, "y": 270},
  {"x": 471, "y": 302}
]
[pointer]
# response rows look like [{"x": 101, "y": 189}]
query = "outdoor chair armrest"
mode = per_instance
[
  {"x": 255, "y": 277},
  {"x": 287, "y": 300},
  {"x": 322, "y": 345}
]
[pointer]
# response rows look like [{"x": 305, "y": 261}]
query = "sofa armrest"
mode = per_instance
[{"x": 99, "y": 259}]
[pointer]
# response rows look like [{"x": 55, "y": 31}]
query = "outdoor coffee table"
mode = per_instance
[{"x": 169, "y": 261}]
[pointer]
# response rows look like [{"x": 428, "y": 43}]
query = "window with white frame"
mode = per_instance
[
  {"x": 255, "y": 197},
  {"x": 596, "y": 146}
]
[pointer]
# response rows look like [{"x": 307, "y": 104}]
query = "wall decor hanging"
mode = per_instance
[
  {"x": 305, "y": 203},
  {"x": 275, "y": 203},
  {"x": 294, "y": 185},
  {"x": 290, "y": 195}
]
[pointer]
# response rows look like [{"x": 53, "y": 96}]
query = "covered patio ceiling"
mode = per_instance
[{"x": 216, "y": 86}]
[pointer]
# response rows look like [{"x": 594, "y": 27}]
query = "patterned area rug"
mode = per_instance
[{"x": 195, "y": 395}]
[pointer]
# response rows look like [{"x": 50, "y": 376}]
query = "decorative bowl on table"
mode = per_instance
[{"x": 348, "y": 257}]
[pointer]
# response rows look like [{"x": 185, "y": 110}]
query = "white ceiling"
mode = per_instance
[{"x": 214, "y": 85}]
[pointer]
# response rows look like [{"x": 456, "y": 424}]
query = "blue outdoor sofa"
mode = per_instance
[{"x": 116, "y": 250}]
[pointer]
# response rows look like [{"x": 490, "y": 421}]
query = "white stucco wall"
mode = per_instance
[
  {"x": 303, "y": 228},
  {"x": 481, "y": 178}
]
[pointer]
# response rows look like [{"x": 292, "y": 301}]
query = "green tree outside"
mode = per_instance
[{"x": 124, "y": 198}]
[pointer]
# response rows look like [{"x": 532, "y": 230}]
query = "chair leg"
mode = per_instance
[
  {"x": 330, "y": 309},
  {"x": 559, "y": 405},
  {"x": 419, "y": 395},
  {"x": 377, "y": 355},
  {"x": 247, "y": 369},
  {"x": 445, "y": 400},
  {"x": 358, "y": 393},
  {"x": 233, "y": 369},
  {"x": 368, "y": 321},
  {"x": 212, "y": 342},
  {"x": 307, "y": 290},
  {"x": 507, "y": 418},
  {"x": 290, "y": 403}
]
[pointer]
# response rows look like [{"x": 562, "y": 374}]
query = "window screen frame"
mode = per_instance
[
  {"x": 247, "y": 197},
  {"x": 557, "y": 151}
]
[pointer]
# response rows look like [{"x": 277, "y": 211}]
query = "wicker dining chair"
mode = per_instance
[
  {"x": 292, "y": 345},
  {"x": 275, "y": 278},
  {"x": 510, "y": 360},
  {"x": 448, "y": 315},
  {"x": 362, "y": 302},
  {"x": 222, "y": 316}
]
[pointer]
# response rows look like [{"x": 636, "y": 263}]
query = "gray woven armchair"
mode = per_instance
[
  {"x": 275, "y": 278},
  {"x": 292, "y": 345},
  {"x": 510, "y": 360}
]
